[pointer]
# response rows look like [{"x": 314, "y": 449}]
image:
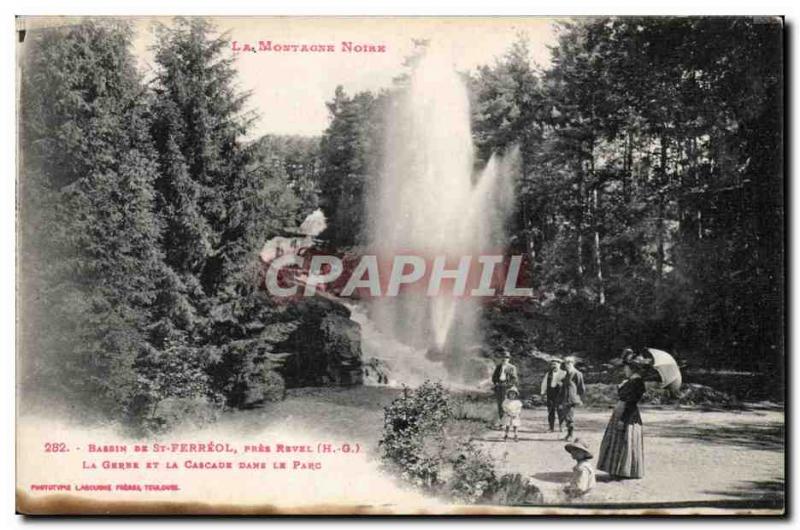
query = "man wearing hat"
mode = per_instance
[
  {"x": 503, "y": 378},
  {"x": 572, "y": 389},
  {"x": 582, "y": 479},
  {"x": 550, "y": 390}
]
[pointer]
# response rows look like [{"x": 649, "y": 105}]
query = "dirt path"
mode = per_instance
[
  {"x": 718, "y": 458},
  {"x": 711, "y": 458}
]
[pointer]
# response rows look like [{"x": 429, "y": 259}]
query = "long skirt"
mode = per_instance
[{"x": 622, "y": 450}]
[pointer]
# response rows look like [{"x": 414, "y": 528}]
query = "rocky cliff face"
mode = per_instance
[
  {"x": 316, "y": 342},
  {"x": 325, "y": 347}
]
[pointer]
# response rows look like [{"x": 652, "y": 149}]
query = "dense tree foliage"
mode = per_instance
[
  {"x": 350, "y": 151},
  {"x": 143, "y": 209},
  {"x": 89, "y": 248},
  {"x": 295, "y": 160},
  {"x": 652, "y": 186},
  {"x": 650, "y": 198},
  {"x": 649, "y": 201}
]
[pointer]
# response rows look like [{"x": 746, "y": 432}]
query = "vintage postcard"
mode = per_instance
[{"x": 400, "y": 265}]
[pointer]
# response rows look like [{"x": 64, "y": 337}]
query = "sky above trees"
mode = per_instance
[{"x": 289, "y": 90}]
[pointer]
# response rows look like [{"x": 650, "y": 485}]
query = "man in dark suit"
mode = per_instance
[
  {"x": 551, "y": 391},
  {"x": 572, "y": 390},
  {"x": 504, "y": 377}
]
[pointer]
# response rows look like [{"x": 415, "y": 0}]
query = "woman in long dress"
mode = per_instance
[{"x": 622, "y": 449}]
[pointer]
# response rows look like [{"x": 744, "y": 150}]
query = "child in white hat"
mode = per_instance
[
  {"x": 512, "y": 408},
  {"x": 582, "y": 479}
]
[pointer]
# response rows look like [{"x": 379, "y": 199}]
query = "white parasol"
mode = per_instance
[{"x": 667, "y": 368}]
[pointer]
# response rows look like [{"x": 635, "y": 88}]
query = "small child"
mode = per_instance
[
  {"x": 582, "y": 479},
  {"x": 512, "y": 407}
]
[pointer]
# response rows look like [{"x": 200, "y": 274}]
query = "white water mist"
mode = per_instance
[{"x": 429, "y": 202}]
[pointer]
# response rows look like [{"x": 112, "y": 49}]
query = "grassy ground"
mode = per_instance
[{"x": 354, "y": 413}]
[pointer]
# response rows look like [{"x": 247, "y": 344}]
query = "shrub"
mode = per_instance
[
  {"x": 534, "y": 401},
  {"x": 514, "y": 490},
  {"x": 172, "y": 385},
  {"x": 692, "y": 394},
  {"x": 420, "y": 443},
  {"x": 413, "y": 442},
  {"x": 173, "y": 412},
  {"x": 473, "y": 475},
  {"x": 474, "y": 408},
  {"x": 268, "y": 385},
  {"x": 695, "y": 394}
]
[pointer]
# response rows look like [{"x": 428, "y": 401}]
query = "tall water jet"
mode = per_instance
[{"x": 428, "y": 202}]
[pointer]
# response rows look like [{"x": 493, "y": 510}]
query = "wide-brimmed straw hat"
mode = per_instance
[
  {"x": 512, "y": 389},
  {"x": 578, "y": 448}
]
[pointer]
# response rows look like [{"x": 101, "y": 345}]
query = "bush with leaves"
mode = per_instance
[
  {"x": 191, "y": 412},
  {"x": 422, "y": 445},
  {"x": 414, "y": 434},
  {"x": 266, "y": 385},
  {"x": 473, "y": 474},
  {"x": 172, "y": 387}
]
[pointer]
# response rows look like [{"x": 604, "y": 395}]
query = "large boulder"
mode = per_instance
[
  {"x": 341, "y": 350},
  {"x": 325, "y": 347}
]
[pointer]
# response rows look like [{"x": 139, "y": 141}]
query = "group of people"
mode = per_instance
[{"x": 621, "y": 452}]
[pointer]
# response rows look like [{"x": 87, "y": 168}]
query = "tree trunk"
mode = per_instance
[
  {"x": 530, "y": 243},
  {"x": 527, "y": 222},
  {"x": 662, "y": 181},
  {"x": 699, "y": 224},
  {"x": 627, "y": 170},
  {"x": 580, "y": 224},
  {"x": 597, "y": 255},
  {"x": 595, "y": 216}
]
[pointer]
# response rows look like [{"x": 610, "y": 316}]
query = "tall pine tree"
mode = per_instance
[
  {"x": 89, "y": 259},
  {"x": 219, "y": 206}
]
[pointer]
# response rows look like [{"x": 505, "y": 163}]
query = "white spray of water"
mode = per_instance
[
  {"x": 389, "y": 361},
  {"x": 312, "y": 226},
  {"x": 427, "y": 203}
]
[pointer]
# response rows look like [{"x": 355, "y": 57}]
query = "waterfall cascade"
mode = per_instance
[{"x": 428, "y": 201}]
